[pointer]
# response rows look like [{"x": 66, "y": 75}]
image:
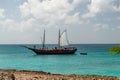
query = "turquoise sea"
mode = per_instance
[{"x": 98, "y": 61}]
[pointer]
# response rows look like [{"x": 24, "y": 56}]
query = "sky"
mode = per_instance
[{"x": 86, "y": 21}]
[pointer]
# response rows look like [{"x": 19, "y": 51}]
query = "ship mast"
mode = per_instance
[
  {"x": 43, "y": 44},
  {"x": 59, "y": 39}
]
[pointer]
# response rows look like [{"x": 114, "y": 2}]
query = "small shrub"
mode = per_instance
[{"x": 115, "y": 50}]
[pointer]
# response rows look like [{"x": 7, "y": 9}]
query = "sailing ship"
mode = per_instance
[{"x": 63, "y": 46}]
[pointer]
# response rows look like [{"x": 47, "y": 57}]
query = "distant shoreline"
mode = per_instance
[{"x": 13, "y": 74}]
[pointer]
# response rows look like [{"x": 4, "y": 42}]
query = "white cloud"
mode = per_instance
[
  {"x": 116, "y": 8},
  {"x": 98, "y": 27},
  {"x": 12, "y": 25},
  {"x": 118, "y": 18},
  {"x": 76, "y": 2},
  {"x": 72, "y": 19},
  {"x": 50, "y": 11},
  {"x": 45, "y": 13},
  {"x": 98, "y": 6},
  {"x": 30, "y": 24},
  {"x": 25, "y": 9},
  {"x": 118, "y": 27},
  {"x": 2, "y": 13},
  {"x": 46, "y": 8},
  {"x": 9, "y": 24}
]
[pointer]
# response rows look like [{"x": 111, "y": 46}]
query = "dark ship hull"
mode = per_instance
[{"x": 54, "y": 52}]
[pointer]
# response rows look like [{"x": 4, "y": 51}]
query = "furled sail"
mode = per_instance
[{"x": 63, "y": 39}]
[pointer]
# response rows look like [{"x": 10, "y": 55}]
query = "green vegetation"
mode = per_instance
[{"x": 115, "y": 50}]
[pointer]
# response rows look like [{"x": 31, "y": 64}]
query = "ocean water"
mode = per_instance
[{"x": 98, "y": 61}]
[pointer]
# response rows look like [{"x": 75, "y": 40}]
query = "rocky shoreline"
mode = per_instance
[{"x": 40, "y": 75}]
